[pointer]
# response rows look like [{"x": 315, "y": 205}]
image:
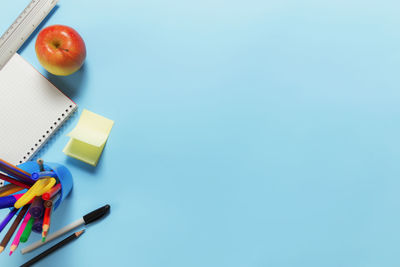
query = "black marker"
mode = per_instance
[{"x": 88, "y": 218}]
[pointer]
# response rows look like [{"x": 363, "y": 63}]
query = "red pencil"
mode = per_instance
[
  {"x": 47, "y": 214},
  {"x": 46, "y": 223}
]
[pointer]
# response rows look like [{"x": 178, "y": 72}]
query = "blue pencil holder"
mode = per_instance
[{"x": 63, "y": 176}]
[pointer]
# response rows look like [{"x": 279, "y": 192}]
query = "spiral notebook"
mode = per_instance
[{"x": 31, "y": 110}]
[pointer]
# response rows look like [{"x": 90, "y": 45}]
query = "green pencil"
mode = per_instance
[{"x": 27, "y": 231}]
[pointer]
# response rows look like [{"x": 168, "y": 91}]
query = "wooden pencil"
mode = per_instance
[
  {"x": 17, "y": 237},
  {"x": 85, "y": 220},
  {"x": 49, "y": 204},
  {"x": 46, "y": 223},
  {"x": 54, "y": 248},
  {"x": 9, "y": 189},
  {"x": 40, "y": 163},
  {"x": 13, "y": 227},
  {"x": 8, "y": 218},
  {"x": 15, "y": 171},
  {"x": 14, "y": 181}
]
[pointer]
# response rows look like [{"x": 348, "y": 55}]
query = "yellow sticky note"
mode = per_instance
[{"x": 89, "y": 137}]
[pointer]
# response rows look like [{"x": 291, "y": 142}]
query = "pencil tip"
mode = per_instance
[
  {"x": 79, "y": 233},
  {"x": 43, "y": 239},
  {"x": 1, "y": 249},
  {"x": 11, "y": 252}
]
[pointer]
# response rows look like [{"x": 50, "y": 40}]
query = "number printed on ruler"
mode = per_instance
[{"x": 22, "y": 28}]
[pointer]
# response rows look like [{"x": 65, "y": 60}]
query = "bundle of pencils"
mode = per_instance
[{"x": 32, "y": 208}]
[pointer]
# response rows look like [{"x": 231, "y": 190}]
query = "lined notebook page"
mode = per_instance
[{"x": 31, "y": 110}]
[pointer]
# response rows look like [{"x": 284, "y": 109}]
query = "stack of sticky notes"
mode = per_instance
[{"x": 89, "y": 137}]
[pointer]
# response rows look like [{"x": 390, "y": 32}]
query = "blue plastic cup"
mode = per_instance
[{"x": 63, "y": 176}]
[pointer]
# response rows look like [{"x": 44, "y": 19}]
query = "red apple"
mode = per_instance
[{"x": 60, "y": 50}]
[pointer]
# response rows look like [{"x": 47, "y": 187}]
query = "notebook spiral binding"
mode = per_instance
[{"x": 48, "y": 134}]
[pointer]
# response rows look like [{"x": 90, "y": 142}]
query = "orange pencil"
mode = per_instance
[{"x": 9, "y": 190}]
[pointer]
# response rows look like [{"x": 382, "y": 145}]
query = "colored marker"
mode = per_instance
[
  {"x": 27, "y": 232},
  {"x": 39, "y": 188},
  {"x": 37, "y": 175},
  {"x": 37, "y": 225},
  {"x": 8, "y": 218},
  {"x": 37, "y": 208},
  {"x": 87, "y": 219},
  {"x": 51, "y": 193},
  {"x": 17, "y": 237},
  {"x": 9, "y": 201}
]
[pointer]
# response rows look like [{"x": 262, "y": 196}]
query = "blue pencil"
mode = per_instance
[{"x": 7, "y": 219}]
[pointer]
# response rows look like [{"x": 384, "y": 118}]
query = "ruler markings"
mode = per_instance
[
  {"x": 26, "y": 19},
  {"x": 22, "y": 28}
]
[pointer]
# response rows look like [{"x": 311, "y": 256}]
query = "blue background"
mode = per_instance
[{"x": 247, "y": 133}]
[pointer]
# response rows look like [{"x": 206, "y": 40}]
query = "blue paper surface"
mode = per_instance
[{"x": 247, "y": 133}]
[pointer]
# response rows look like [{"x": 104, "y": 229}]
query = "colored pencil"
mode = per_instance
[
  {"x": 27, "y": 232},
  {"x": 49, "y": 194},
  {"x": 46, "y": 223},
  {"x": 8, "y": 218},
  {"x": 40, "y": 163},
  {"x": 52, "y": 201},
  {"x": 17, "y": 237},
  {"x": 87, "y": 219},
  {"x": 13, "y": 227},
  {"x": 37, "y": 208},
  {"x": 49, "y": 205},
  {"x": 14, "y": 181},
  {"x": 9, "y": 201},
  {"x": 9, "y": 189},
  {"x": 53, "y": 248},
  {"x": 15, "y": 171}
]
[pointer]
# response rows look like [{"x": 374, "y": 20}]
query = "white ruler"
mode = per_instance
[{"x": 23, "y": 27}]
